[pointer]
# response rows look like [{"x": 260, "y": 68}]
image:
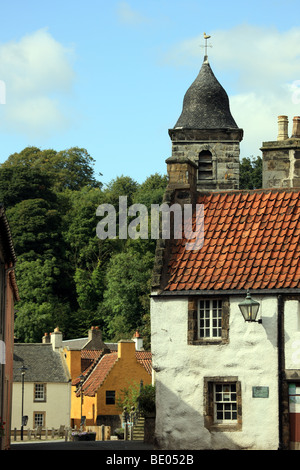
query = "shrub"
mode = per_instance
[{"x": 147, "y": 400}]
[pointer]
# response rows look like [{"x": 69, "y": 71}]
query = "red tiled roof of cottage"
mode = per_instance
[
  {"x": 145, "y": 358},
  {"x": 99, "y": 373},
  {"x": 251, "y": 241},
  {"x": 96, "y": 373},
  {"x": 90, "y": 353}
]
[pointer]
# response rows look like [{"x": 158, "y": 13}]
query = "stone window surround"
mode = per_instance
[
  {"x": 209, "y": 423},
  {"x": 37, "y": 415},
  {"x": 192, "y": 338}
]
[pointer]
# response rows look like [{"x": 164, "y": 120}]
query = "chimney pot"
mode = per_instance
[
  {"x": 282, "y": 128},
  {"x": 296, "y": 127}
]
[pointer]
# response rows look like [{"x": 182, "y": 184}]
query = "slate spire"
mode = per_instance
[{"x": 206, "y": 103}]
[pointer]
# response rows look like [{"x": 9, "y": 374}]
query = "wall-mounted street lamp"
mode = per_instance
[{"x": 249, "y": 309}]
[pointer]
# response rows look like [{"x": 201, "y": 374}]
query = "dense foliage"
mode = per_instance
[
  {"x": 139, "y": 397},
  {"x": 66, "y": 275},
  {"x": 251, "y": 173}
]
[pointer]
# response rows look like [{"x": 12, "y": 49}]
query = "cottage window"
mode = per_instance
[
  {"x": 223, "y": 404},
  {"x": 208, "y": 320},
  {"x": 39, "y": 392},
  {"x": 110, "y": 397},
  {"x": 38, "y": 419}
]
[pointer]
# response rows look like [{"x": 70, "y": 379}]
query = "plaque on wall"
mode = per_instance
[{"x": 260, "y": 392}]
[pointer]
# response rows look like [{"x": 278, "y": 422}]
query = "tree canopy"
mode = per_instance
[
  {"x": 251, "y": 173},
  {"x": 66, "y": 275}
]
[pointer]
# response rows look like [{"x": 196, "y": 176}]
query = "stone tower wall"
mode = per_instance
[{"x": 224, "y": 147}]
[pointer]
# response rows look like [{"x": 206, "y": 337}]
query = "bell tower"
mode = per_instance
[{"x": 206, "y": 133}]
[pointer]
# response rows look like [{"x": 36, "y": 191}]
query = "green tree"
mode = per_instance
[
  {"x": 35, "y": 227},
  {"x": 120, "y": 186},
  {"x": 126, "y": 298},
  {"x": 147, "y": 401},
  {"x": 251, "y": 173},
  {"x": 18, "y": 183},
  {"x": 151, "y": 191},
  {"x": 40, "y": 308},
  {"x": 128, "y": 397},
  {"x": 67, "y": 169}
]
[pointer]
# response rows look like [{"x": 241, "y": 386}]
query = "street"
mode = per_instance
[{"x": 88, "y": 445}]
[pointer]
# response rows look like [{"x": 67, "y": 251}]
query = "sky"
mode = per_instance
[{"x": 110, "y": 76}]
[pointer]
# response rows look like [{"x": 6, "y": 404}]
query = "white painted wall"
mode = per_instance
[
  {"x": 292, "y": 334},
  {"x": 251, "y": 355},
  {"x": 57, "y": 406}
]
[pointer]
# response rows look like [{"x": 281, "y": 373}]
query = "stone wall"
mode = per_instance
[
  {"x": 281, "y": 164},
  {"x": 224, "y": 147}
]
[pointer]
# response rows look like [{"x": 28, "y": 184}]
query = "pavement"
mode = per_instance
[{"x": 84, "y": 445}]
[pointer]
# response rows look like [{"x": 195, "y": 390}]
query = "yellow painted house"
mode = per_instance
[{"x": 95, "y": 390}]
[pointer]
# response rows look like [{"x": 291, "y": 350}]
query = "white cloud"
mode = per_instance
[
  {"x": 128, "y": 15},
  {"x": 261, "y": 71},
  {"x": 38, "y": 74}
]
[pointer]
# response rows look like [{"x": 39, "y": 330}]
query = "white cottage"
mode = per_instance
[
  {"x": 223, "y": 382},
  {"x": 46, "y": 396}
]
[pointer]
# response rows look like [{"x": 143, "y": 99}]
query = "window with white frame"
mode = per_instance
[
  {"x": 39, "y": 419},
  {"x": 210, "y": 318},
  {"x": 39, "y": 392},
  {"x": 225, "y": 403}
]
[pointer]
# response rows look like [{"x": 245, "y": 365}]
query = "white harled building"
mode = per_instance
[{"x": 223, "y": 382}]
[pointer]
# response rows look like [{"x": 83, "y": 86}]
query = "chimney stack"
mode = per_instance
[
  {"x": 94, "y": 339},
  {"x": 283, "y": 128},
  {"x": 296, "y": 128},
  {"x": 138, "y": 341},
  {"x": 45, "y": 338},
  {"x": 281, "y": 158},
  {"x": 56, "y": 339}
]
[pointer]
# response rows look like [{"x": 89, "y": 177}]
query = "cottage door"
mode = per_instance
[{"x": 294, "y": 413}]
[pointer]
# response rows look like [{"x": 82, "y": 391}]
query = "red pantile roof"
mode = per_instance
[
  {"x": 90, "y": 353},
  {"x": 98, "y": 370},
  {"x": 251, "y": 241},
  {"x": 99, "y": 373},
  {"x": 145, "y": 358}
]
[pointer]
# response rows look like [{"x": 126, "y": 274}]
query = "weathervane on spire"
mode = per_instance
[{"x": 206, "y": 37}]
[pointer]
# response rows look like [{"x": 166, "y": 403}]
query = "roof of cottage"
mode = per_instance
[
  {"x": 99, "y": 369},
  {"x": 99, "y": 373},
  {"x": 42, "y": 363},
  {"x": 251, "y": 241},
  {"x": 80, "y": 343},
  {"x": 206, "y": 104},
  {"x": 145, "y": 358}
]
